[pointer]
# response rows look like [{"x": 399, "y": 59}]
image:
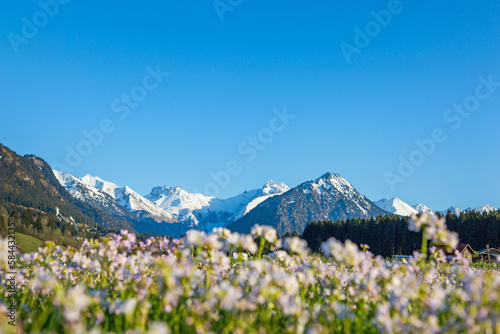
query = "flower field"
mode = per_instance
[{"x": 225, "y": 282}]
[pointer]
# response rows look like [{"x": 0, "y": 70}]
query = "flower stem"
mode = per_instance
[
  {"x": 423, "y": 250},
  {"x": 261, "y": 248}
]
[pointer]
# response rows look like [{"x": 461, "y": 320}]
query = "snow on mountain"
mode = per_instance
[
  {"x": 179, "y": 202},
  {"x": 96, "y": 182},
  {"x": 329, "y": 181},
  {"x": 452, "y": 209},
  {"x": 269, "y": 190},
  {"x": 423, "y": 208},
  {"x": 137, "y": 203},
  {"x": 396, "y": 206},
  {"x": 335, "y": 184},
  {"x": 206, "y": 212},
  {"x": 481, "y": 209},
  {"x": 272, "y": 188},
  {"x": 91, "y": 188},
  {"x": 486, "y": 208},
  {"x": 330, "y": 197},
  {"x": 181, "y": 210},
  {"x": 91, "y": 195}
]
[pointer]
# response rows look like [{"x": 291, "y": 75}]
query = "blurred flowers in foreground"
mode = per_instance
[{"x": 227, "y": 282}]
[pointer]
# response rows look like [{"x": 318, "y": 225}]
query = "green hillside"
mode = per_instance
[{"x": 27, "y": 243}]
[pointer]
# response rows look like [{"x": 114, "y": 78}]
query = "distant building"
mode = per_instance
[
  {"x": 493, "y": 254},
  {"x": 464, "y": 250}
]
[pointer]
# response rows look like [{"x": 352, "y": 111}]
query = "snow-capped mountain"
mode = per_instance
[
  {"x": 204, "y": 212},
  {"x": 329, "y": 197},
  {"x": 423, "y": 208},
  {"x": 270, "y": 189},
  {"x": 112, "y": 198},
  {"x": 173, "y": 210},
  {"x": 93, "y": 196},
  {"x": 178, "y": 201},
  {"x": 396, "y": 206},
  {"x": 480, "y": 209},
  {"x": 452, "y": 210},
  {"x": 486, "y": 208}
]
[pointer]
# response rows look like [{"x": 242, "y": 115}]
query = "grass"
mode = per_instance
[
  {"x": 28, "y": 243},
  {"x": 486, "y": 265}
]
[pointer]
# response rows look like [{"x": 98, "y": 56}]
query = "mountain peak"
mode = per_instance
[
  {"x": 91, "y": 177},
  {"x": 396, "y": 206},
  {"x": 423, "y": 208},
  {"x": 452, "y": 210},
  {"x": 270, "y": 183},
  {"x": 486, "y": 208},
  {"x": 272, "y": 187},
  {"x": 334, "y": 179},
  {"x": 329, "y": 197},
  {"x": 94, "y": 181},
  {"x": 329, "y": 181},
  {"x": 328, "y": 175}
]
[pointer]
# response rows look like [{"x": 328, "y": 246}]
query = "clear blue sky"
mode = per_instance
[{"x": 226, "y": 77}]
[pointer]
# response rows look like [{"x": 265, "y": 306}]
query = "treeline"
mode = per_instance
[{"x": 388, "y": 235}]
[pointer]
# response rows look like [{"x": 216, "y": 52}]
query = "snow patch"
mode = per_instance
[{"x": 396, "y": 206}]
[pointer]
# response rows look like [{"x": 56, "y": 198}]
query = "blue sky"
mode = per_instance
[{"x": 225, "y": 78}]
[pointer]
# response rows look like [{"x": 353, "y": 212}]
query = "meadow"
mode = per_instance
[{"x": 225, "y": 282}]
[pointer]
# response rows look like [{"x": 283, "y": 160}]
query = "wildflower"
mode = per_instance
[
  {"x": 158, "y": 327},
  {"x": 195, "y": 238},
  {"x": 248, "y": 244},
  {"x": 74, "y": 302},
  {"x": 414, "y": 223},
  {"x": 266, "y": 232},
  {"x": 240, "y": 256},
  {"x": 296, "y": 245}
]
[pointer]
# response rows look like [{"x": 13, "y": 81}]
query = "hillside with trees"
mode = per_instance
[
  {"x": 30, "y": 195},
  {"x": 28, "y": 181}
]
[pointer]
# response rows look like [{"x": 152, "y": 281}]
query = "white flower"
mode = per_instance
[
  {"x": 195, "y": 237},
  {"x": 257, "y": 230},
  {"x": 296, "y": 245},
  {"x": 74, "y": 302},
  {"x": 331, "y": 246},
  {"x": 128, "y": 306},
  {"x": 248, "y": 244},
  {"x": 414, "y": 223},
  {"x": 271, "y": 236},
  {"x": 266, "y": 232},
  {"x": 240, "y": 256},
  {"x": 158, "y": 327}
]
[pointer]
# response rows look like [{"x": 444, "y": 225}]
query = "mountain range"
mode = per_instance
[
  {"x": 166, "y": 210},
  {"x": 173, "y": 210},
  {"x": 396, "y": 206},
  {"x": 31, "y": 183}
]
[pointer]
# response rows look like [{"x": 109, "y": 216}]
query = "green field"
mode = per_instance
[{"x": 28, "y": 243}]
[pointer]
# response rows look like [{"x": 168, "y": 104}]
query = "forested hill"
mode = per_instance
[
  {"x": 388, "y": 235},
  {"x": 28, "y": 181}
]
